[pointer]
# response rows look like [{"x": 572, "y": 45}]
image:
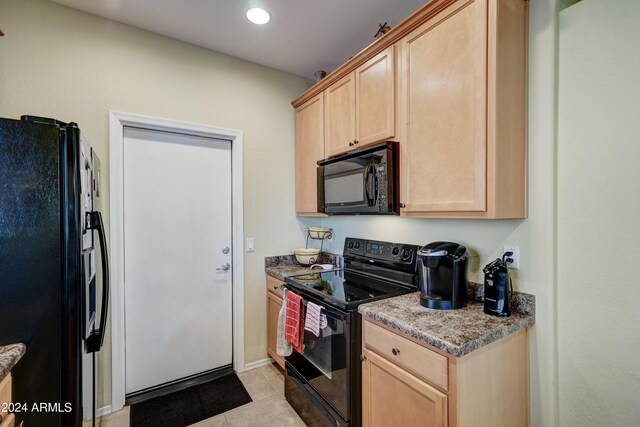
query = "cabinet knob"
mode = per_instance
[
  {"x": 355, "y": 141},
  {"x": 275, "y": 287},
  {"x": 402, "y": 205},
  {"x": 351, "y": 144},
  {"x": 363, "y": 357},
  {"x": 395, "y": 351}
]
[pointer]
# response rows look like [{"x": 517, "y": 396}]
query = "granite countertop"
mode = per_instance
[
  {"x": 457, "y": 332},
  {"x": 9, "y": 356},
  {"x": 286, "y": 265}
]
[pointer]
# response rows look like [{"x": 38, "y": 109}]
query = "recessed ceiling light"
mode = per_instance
[{"x": 258, "y": 16}]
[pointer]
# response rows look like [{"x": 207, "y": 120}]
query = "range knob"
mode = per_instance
[
  {"x": 350, "y": 245},
  {"x": 406, "y": 254},
  {"x": 395, "y": 251},
  {"x": 357, "y": 246}
]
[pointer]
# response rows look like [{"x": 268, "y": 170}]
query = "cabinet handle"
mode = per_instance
[
  {"x": 402, "y": 205},
  {"x": 355, "y": 141},
  {"x": 351, "y": 144},
  {"x": 395, "y": 351},
  {"x": 363, "y": 357}
]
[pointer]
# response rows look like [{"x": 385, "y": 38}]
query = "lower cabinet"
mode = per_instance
[
  {"x": 274, "y": 302},
  {"x": 394, "y": 397},
  {"x": 405, "y": 383},
  {"x": 6, "y": 419}
]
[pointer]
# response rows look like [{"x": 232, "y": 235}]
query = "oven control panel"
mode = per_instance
[{"x": 385, "y": 251}]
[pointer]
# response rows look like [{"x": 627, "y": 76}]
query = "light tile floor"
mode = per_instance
[{"x": 269, "y": 407}]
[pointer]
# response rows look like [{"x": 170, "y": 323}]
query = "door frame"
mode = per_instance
[{"x": 117, "y": 121}]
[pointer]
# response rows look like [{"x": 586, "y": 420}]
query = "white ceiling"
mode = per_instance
[{"x": 302, "y": 37}]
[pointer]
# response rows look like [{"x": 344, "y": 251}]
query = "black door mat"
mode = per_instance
[{"x": 193, "y": 404}]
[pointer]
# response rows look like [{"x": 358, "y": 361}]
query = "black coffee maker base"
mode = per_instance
[{"x": 439, "y": 304}]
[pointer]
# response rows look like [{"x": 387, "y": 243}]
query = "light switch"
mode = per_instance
[{"x": 250, "y": 244}]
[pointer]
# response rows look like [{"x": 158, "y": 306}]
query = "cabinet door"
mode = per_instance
[
  {"x": 443, "y": 111},
  {"x": 375, "y": 98},
  {"x": 273, "y": 309},
  {"x": 340, "y": 116},
  {"x": 8, "y": 421},
  {"x": 309, "y": 149},
  {"x": 393, "y": 397}
]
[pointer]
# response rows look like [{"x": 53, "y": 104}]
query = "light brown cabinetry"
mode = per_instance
[
  {"x": 340, "y": 116},
  {"x": 463, "y": 112},
  {"x": 375, "y": 98},
  {"x": 8, "y": 419},
  {"x": 360, "y": 107},
  {"x": 309, "y": 119},
  {"x": 407, "y": 383},
  {"x": 450, "y": 84},
  {"x": 394, "y": 397},
  {"x": 274, "y": 303}
]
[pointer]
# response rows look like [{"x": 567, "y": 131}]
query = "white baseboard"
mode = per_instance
[
  {"x": 105, "y": 410},
  {"x": 101, "y": 412},
  {"x": 258, "y": 363}
]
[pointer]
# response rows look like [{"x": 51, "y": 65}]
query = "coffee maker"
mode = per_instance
[{"x": 442, "y": 275}]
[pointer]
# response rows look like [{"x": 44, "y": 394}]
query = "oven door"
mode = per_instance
[{"x": 324, "y": 361}]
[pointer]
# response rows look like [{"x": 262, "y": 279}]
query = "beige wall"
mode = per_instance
[
  {"x": 598, "y": 205},
  {"x": 58, "y": 62}
]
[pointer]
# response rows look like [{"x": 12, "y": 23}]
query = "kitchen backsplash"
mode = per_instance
[{"x": 484, "y": 239}]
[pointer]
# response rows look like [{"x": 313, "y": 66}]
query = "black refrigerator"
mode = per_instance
[{"x": 54, "y": 274}]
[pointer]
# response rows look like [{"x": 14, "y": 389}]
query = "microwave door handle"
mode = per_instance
[
  {"x": 96, "y": 337},
  {"x": 369, "y": 187}
]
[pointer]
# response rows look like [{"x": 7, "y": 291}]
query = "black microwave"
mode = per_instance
[{"x": 363, "y": 181}]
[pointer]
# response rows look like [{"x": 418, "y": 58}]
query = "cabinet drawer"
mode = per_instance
[
  {"x": 421, "y": 361},
  {"x": 274, "y": 285},
  {"x": 5, "y": 390}
]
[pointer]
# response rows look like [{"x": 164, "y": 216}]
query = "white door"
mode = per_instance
[{"x": 177, "y": 226}]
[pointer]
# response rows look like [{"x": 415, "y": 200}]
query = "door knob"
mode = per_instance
[{"x": 224, "y": 267}]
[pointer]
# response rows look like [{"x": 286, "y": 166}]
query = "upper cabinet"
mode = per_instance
[
  {"x": 462, "y": 103},
  {"x": 449, "y": 83},
  {"x": 309, "y": 119},
  {"x": 375, "y": 98},
  {"x": 359, "y": 107},
  {"x": 340, "y": 115}
]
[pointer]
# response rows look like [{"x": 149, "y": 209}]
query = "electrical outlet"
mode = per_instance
[{"x": 516, "y": 256}]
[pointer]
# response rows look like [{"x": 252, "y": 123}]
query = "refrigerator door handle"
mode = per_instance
[{"x": 96, "y": 337}]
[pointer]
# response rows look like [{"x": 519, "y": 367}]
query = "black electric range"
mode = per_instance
[{"x": 323, "y": 383}]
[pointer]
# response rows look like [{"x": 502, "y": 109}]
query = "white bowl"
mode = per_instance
[
  {"x": 306, "y": 256},
  {"x": 323, "y": 266},
  {"x": 319, "y": 232}
]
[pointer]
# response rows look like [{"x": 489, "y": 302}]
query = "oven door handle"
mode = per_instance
[
  {"x": 325, "y": 310},
  {"x": 330, "y": 313}
]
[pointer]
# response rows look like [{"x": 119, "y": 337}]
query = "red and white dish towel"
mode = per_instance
[
  {"x": 314, "y": 320},
  {"x": 283, "y": 347},
  {"x": 294, "y": 328}
]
